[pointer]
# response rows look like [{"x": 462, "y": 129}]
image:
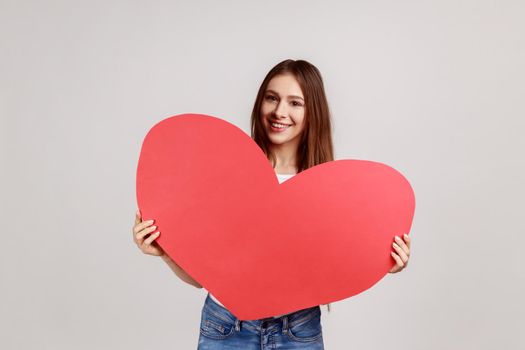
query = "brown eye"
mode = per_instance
[{"x": 270, "y": 98}]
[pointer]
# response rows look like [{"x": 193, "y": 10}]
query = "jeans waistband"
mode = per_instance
[{"x": 288, "y": 320}]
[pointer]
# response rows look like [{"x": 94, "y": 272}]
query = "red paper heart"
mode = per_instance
[{"x": 264, "y": 248}]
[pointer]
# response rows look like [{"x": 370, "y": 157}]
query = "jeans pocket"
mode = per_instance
[
  {"x": 215, "y": 326},
  {"x": 307, "y": 328}
]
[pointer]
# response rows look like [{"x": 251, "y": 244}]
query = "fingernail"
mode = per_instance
[
  {"x": 394, "y": 244},
  {"x": 406, "y": 236},
  {"x": 397, "y": 238},
  {"x": 153, "y": 227},
  {"x": 150, "y": 221}
]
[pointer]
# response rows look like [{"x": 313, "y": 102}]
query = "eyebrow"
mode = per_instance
[{"x": 295, "y": 96}]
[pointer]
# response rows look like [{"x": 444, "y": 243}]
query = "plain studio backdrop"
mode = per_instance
[{"x": 434, "y": 89}]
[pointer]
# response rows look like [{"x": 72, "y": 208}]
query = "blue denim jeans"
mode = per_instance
[{"x": 220, "y": 329}]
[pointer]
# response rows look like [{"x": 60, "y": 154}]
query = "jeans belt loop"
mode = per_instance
[
  {"x": 237, "y": 325},
  {"x": 285, "y": 324}
]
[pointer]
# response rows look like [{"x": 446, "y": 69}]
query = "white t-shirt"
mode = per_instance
[{"x": 281, "y": 178}]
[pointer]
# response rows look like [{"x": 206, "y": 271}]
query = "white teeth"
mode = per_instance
[{"x": 280, "y": 126}]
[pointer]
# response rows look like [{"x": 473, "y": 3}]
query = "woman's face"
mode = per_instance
[{"x": 283, "y": 103}]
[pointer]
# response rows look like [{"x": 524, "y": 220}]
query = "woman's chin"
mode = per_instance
[{"x": 279, "y": 141}]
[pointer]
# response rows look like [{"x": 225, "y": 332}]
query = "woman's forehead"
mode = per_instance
[{"x": 285, "y": 84}]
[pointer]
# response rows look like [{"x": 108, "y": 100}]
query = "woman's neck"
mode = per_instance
[{"x": 285, "y": 159}]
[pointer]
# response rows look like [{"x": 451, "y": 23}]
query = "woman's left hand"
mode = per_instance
[{"x": 401, "y": 254}]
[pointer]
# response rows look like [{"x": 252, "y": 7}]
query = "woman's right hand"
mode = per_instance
[{"x": 144, "y": 238}]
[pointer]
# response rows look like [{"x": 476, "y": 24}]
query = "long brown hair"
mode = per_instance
[{"x": 316, "y": 145}]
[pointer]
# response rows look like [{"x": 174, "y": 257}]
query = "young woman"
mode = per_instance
[{"x": 291, "y": 123}]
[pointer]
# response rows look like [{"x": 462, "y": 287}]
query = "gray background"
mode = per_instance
[{"x": 432, "y": 88}]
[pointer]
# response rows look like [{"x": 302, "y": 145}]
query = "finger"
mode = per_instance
[
  {"x": 407, "y": 240},
  {"x": 398, "y": 260},
  {"x": 138, "y": 218},
  {"x": 400, "y": 252},
  {"x": 403, "y": 246},
  {"x": 140, "y": 236},
  {"x": 151, "y": 238},
  {"x": 139, "y": 227}
]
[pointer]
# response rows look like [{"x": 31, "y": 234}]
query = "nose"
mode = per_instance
[{"x": 280, "y": 110}]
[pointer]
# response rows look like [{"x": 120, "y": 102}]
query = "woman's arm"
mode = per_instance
[{"x": 179, "y": 271}]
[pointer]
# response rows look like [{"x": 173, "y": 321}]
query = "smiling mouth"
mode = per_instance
[{"x": 279, "y": 126}]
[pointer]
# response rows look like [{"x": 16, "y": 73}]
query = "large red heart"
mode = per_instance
[{"x": 264, "y": 248}]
